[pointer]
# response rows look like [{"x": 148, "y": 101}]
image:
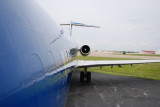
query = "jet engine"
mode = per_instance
[{"x": 85, "y": 50}]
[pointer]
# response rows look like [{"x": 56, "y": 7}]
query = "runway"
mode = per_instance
[{"x": 113, "y": 91}]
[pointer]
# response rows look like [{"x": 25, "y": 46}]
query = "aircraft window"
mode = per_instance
[
  {"x": 67, "y": 53},
  {"x": 57, "y": 57},
  {"x": 64, "y": 56},
  {"x": 36, "y": 66},
  {"x": 50, "y": 62},
  {"x": 60, "y": 56},
  {"x": 64, "y": 52}
]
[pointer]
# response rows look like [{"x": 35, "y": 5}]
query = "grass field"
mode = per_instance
[
  {"x": 147, "y": 71},
  {"x": 100, "y": 58},
  {"x": 154, "y": 55}
]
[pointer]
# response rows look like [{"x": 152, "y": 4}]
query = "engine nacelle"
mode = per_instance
[{"x": 85, "y": 50}]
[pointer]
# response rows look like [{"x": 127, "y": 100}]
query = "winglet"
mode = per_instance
[{"x": 77, "y": 24}]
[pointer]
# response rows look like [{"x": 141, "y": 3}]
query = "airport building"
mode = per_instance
[{"x": 147, "y": 52}]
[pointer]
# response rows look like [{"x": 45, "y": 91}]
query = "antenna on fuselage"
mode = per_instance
[{"x": 77, "y": 24}]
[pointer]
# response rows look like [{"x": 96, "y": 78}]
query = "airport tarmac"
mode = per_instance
[{"x": 113, "y": 91}]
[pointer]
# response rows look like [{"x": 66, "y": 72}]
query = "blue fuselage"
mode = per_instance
[{"x": 33, "y": 55}]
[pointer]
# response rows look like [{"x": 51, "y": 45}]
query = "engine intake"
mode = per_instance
[{"x": 85, "y": 50}]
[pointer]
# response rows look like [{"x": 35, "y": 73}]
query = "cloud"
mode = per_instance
[
  {"x": 94, "y": 42},
  {"x": 131, "y": 29},
  {"x": 149, "y": 29},
  {"x": 136, "y": 44},
  {"x": 135, "y": 19},
  {"x": 145, "y": 43}
]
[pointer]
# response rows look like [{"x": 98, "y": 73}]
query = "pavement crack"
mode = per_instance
[{"x": 102, "y": 96}]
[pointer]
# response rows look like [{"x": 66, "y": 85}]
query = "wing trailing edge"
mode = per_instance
[{"x": 83, "y": 64}]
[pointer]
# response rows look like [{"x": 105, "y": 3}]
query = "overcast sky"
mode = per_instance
[{"x": 131, "y": 25}]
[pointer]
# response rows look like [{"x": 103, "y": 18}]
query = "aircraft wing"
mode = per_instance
[{"x": 84, "y": 63}]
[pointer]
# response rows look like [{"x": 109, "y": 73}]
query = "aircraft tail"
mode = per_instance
[{"x": 71, "y": 24}]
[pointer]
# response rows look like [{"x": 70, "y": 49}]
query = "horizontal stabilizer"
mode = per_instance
[{"x": 79, "y": 24}]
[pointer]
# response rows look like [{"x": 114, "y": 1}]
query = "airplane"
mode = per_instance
[{"x": 36, "y": 58}]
